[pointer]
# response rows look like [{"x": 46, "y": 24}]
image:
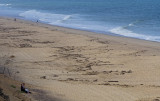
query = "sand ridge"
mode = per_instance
[{"x": 78, "y": 65}]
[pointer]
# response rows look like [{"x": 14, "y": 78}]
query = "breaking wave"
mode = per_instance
[{"x": 123, "y": 31}]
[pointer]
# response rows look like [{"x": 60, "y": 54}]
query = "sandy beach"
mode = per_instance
[{"x": 62, "y": 64}]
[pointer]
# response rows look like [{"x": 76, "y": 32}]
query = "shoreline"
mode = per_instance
[
  {"x": 76, "y": 29},
  {"x": 76, "y": 65}
]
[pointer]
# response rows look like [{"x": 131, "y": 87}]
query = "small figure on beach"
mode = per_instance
[
  {"x": 15, "y": 19},
  {"x": 37, "y": 21},
  {"x": 23, "y": 89}
]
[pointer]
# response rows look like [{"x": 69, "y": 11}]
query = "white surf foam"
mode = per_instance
[
  {"x": 45, "y": 17},
  {"x": 5, "y": 4},
  {"x": 67, "y": 17},
  {"x": 125, "y": 32},
  {"x": 134, "y": 23}
]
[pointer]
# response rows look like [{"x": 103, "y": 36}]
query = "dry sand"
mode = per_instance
[{"x": 72, "y": 65}]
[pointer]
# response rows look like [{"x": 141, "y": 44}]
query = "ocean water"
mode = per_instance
[{"x": 130, "y": 18}]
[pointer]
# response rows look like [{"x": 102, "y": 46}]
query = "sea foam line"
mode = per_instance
[
  {"x": 45, "y": 17},
  {"x": 60, "y": 19},
  {"x": 125, "y": 32}
]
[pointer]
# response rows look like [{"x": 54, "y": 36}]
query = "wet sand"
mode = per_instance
[{"x": 74, "y": 65}]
